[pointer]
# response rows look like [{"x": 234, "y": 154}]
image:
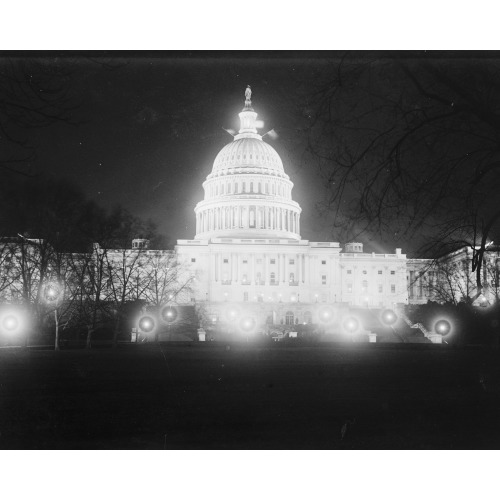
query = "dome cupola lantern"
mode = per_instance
[{"x": 248, "y": 117}]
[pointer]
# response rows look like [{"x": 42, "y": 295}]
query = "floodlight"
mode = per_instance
[
  {"x": 389, "y": 317},
  {"x": 326, "y": 314},
  {"x": 351, "y": 324},
  {"x": 442, "y": 327},
  {"x": 248, "y": 324},
  {"x": 231, "y": 313},
  {"x": 10, "y": 323},
  {"x": 146, "y": 324},
  {"x": 169, "y": 314}
]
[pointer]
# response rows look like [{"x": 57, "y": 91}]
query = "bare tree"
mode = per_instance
[
  {"x": 166, "y": 279},
  {"x": 410, "y": 147},
  {"x": 34, "y": 93}
]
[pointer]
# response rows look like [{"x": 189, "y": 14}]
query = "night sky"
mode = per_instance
[{"x": 146, "y": 130}]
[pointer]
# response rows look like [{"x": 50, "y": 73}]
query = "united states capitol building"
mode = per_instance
[
  {"x": 248, "y": 249},
  {"x": 248, "y": 259}
]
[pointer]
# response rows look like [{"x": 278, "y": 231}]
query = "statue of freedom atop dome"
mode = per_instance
[{"x": 248, "y": 93}]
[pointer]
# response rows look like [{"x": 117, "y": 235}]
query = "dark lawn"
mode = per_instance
[{"x": 206, "y": 396}]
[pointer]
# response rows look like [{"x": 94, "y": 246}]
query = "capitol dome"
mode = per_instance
[
  {"x": 248, "y": 194},
  {"x": 249, "y": 154}
]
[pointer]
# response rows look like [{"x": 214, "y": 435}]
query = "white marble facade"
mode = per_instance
[{"x": 248, "y": 248}]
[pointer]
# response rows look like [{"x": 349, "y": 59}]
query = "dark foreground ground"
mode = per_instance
[{"x": 239, "y": 396}]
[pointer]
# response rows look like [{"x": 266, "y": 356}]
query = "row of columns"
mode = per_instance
[
  {"x": 233, "y": 217},
  {"x": 279, "y": 189}
]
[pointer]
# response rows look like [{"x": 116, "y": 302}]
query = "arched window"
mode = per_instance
[
  {"x": 216, "y": 190},
  {"x": 364, "y": 285},
  {"x": 292, "y": 277},
  {"x": 259, "y": 188},
  {"x": 307, "y": 318},
  {"x": 267, "y": 188},
  {"x": 222, "y": 189},
  {"x": 289, "y": 318},
  {"x": 243, "y": 188},
  {"x": 251, "y": 187}
]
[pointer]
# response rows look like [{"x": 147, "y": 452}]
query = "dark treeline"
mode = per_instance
[{"x": 58, "y": 211}]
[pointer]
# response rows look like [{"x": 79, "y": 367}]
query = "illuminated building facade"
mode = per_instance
[{"x": 248, "y": 249}]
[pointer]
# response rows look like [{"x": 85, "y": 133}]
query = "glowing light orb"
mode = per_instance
[
  {"x": 326, "y": 314},
  {"x": 442, "y": 327},
  {"x": 351, "y": 324},
  {"x": 169, "y": 314},
  {"x": 10, "y": 323},
  {"x": 146, "y": 324},
  {"x": 389, "y": 317},
  {"x": 248, "y": 324},
  {"x": 52, "y": 292},
  {"x": 231, "y": 313}
]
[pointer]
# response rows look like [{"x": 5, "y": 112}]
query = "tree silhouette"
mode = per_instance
[{"x": 410, "y": 146}]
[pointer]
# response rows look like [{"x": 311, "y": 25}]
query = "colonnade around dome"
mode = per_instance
[{"x": 253, "y": 217}]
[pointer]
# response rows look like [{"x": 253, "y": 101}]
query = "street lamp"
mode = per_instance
[
  {"x": 168, "y": 315},
  {"x": 52, "y": 293},
  {"x": 351, "y": 325},
  {"x": 146, "y": 324},
  {"x": 247, "y": 325}
]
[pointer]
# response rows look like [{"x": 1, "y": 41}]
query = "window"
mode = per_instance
[
  {"x": 245, "y": 262},
  {"x": 259, "y": 261},
  {"x": 380, "y": 289},
  {"x": 380, "y": 271},
  {"x": 291, "y": 261},
  {"x": 260, "y": 298},
  {"x": 193, "y": 259},
  {"x": 289, "y": 318},
  {"x": 323, "y": 262},
  {"x": 245, "y": 296},
  {"x": 393, "y": 272},
  {"x": 393, "y": 288},
  {"x": 349, "y": 271},
  {"x": 323, "y": 279},
  {"x": 273, "y": 261},
  {"x": 364, "y": 284},
  {"x": 364, "y": 271},
  {"x": 292, "y": 277},
  {"x": 307, "y": 318},
  {"x": 245, "y": 277},
  {"x": 226, "y": 261},
  {"x": 273, "y": 278},
  {"x": 349, "y": 288}
]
